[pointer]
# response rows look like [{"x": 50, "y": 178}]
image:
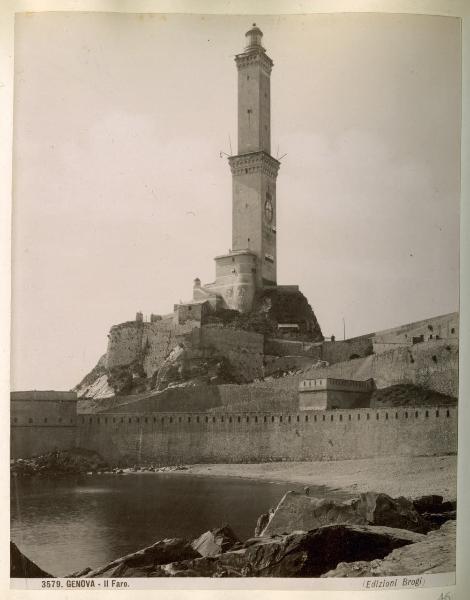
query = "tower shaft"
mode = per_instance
[{"x": 254, "y": 170}]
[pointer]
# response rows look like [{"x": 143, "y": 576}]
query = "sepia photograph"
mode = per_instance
[{"x": 235, "y": 299}]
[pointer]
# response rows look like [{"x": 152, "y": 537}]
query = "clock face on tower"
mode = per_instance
[{"x": 268, "y": 210}]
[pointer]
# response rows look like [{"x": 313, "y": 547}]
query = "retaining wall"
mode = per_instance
[{"x": 191, "y": 437}]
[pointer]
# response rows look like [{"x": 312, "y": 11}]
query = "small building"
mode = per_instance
[
  {"x": 326, "y": 393},
  {"x": 42, "y": 421}
]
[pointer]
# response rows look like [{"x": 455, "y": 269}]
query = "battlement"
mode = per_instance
[{"x": 260, "y": 436}]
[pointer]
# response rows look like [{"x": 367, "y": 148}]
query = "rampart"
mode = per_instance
[
  {"x": 191, "y": 437},
  {"x": 243, "y": 349},
  {"x": 148, "y": 342},
  {"x": 41, "y": 422},
  {"x": 433, "y": 365}
]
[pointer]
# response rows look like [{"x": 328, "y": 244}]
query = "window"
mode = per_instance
[
  {"x": 189, "y": 419},
  {"x": 45, "y": 420},
  {"x": 30, "y": 420},
  {"x": 306, "y": 418},
  {"x": 213, "y": 419},
  {"x": 239, "y": 419},
  {"x": 179, "y": 420}
]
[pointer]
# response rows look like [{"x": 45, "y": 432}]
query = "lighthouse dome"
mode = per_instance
[{"x": 254, "y": 36}]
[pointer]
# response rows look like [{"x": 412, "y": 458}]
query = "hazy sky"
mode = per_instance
[{"x": 121, "y": 197}]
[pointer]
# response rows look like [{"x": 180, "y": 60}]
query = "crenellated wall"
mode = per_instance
[{"x": 170, "y": 438}]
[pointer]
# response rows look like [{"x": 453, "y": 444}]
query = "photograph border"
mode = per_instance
[{"x": 456, "y": 8}]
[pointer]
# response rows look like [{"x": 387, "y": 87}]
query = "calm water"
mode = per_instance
[{"x": 67, "y": 525}]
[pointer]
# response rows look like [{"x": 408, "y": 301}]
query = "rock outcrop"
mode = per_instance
[
  {"x": 59, "y": 463},
  {"x": 21, "y": 566},
  {"x": 215, "y": 541},
  {"x": 299, "y": 554},
  {"x": 300, "y": 512},
  {"x": 145, "y": 561},
  {"x": 433, "y": 554}
]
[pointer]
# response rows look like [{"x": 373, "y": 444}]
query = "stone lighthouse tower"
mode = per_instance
[
  {"x": 250, "y": 265},
  {"x": 254, "y": 170}
]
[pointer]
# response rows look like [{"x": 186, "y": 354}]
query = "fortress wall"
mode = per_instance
[
  {"x": 150, "y": 342},
  {"x": 444, "y": 326},
  {"x": 205, "y": 397},
  {"x": 433, "y": 365},
  {"x": 159, "y": 339},
  {"x": 39, "y": 425},
  {"x": 243, "y": 349},
  {"x": 172, "y": 438},
  {"x": 280, "y": 347},
  {"x": 124, "y": 344},
  {"x": 340, "y": 351},
  {"x": 272, "y": 364}
]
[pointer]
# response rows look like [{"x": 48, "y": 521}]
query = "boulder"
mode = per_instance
[
  {"x": 215, "y": 541},
  {"x": 300, "y": 512},
  {"x": 429, "y": 503},
  {"x": 381, "y": 509},
  {"x": 433, "y": 554},
  {"x": 299, "y": 554},
  {"x": 141, "y": 563},
  {"x": 21, "y": 566}
]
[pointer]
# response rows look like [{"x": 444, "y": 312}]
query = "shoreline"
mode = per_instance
[{"x": 396, "y": 476}]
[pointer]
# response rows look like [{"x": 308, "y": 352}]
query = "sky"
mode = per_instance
[{"x": 121, "y": 196}]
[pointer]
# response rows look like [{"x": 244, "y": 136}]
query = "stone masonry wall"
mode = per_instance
[
  {"x": 40, "y": 424},
  {"x": 193, "y": 437},
  {"x": 243, "y": 349},
  {"x": 149, "y": 342},
  {"x": 433, "y": 365},
  {"x": 343, "y": 350}
]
